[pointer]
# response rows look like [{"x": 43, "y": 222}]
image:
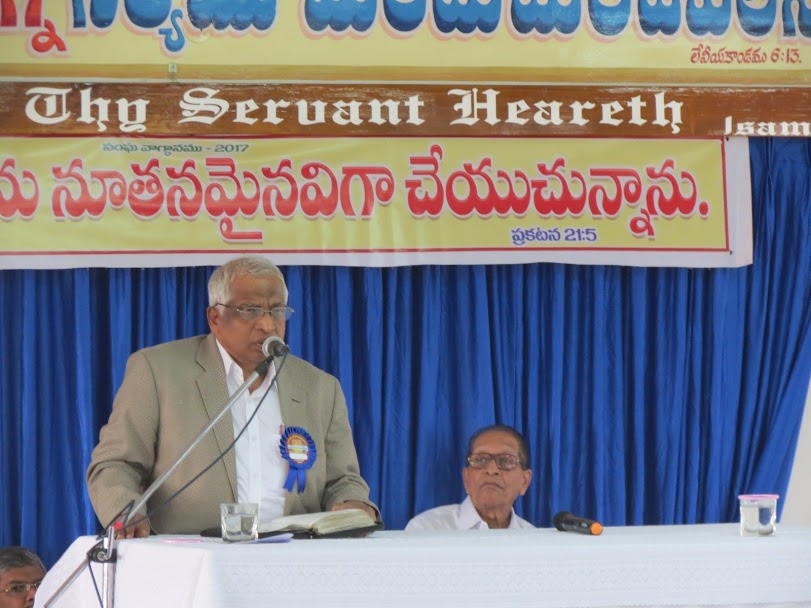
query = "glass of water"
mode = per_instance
[
  {"x": 758, "y": 514},
  {"x": 239, "y": 521}
]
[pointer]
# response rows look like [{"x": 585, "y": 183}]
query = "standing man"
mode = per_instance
[
  {"x": 21, "y": 572},
  {"x": 497, "y": 472},
  {"x": 172, "y": 391}
]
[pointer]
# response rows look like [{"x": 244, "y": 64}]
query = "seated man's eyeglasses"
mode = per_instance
[
  {"x": 20, "y": 589},
  {"x": 505, "y": 462},
  {"x": 253, "y": 313}
]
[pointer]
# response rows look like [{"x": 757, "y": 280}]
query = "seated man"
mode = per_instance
[
  {"x": 21, "y": 572},
  {"x": 495, "y": 475},
  {"x": 171, "y": 391}
]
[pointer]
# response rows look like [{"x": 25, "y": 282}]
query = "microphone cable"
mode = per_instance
[{"x": 168, "y": 500}]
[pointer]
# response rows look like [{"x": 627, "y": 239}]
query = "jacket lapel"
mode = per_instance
[
  {"x": 214, "y": 392},
  {"x": 294, "y": 413},
  {"x": 292, "y": 400}
]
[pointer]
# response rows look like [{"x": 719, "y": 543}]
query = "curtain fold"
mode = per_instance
[{"x": 648, "y": 395}]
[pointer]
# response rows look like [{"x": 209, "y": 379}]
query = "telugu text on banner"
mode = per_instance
[
  {"x": 68, "y": 202},
  {"x": 670, "y": 41}
]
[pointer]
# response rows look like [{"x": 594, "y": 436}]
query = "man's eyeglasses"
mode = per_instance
[
  {"x": 20, "y": 589},
  {"x": 505, "y": 462},
  {"x": 254, "y": 313}
]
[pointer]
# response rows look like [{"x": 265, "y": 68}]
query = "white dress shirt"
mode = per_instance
[
  {"x": 261, "y": 470},
  {"x": 458, "y": 517}
]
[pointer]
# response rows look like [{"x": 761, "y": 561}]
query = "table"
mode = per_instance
[{"x": 698, "y": 565}]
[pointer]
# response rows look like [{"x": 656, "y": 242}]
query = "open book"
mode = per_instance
[{"x": 345, "y": 523}]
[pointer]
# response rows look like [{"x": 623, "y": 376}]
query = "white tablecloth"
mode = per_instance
[{"x": 702, "y": 565}]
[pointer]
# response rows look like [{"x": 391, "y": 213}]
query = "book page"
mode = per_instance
[{"x": 322, "y": 521}]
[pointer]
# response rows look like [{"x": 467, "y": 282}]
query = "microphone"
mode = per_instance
[
  {"x": 566, "y": 522},
  {"x": 274, "y": 347}
]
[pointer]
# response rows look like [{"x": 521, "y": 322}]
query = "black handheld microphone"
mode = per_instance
[
  {"x": 566, "y": 522},
  {"x": 274, "y": 347}
]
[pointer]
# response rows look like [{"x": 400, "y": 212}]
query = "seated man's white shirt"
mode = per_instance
[
  {"x": 459, "y": 517},
  {"x": 261, "y": 470}
]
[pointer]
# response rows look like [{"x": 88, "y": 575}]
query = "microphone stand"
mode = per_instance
[{"x": 104, "y": 552}]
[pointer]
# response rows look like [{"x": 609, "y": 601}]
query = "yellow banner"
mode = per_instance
[
  {"x": 367, "y": 201},
  {"x": 552, "y": 40}
]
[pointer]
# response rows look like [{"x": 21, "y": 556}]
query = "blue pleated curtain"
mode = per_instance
[{"x": 648, "y": 395}]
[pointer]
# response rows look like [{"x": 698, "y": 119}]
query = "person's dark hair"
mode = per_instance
[
  {"x": 523, "y": 448},
  {"x": 18, "y": 557}
]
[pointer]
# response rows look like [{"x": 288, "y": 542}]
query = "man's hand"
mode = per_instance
[
  {"x": 139, "y": 530},
  {"x": 356, "y": 504}
]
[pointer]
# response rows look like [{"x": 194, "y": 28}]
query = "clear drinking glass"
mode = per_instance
[
  {"x": 239, "y": 521},
  {"x": 758, "y": 514}
]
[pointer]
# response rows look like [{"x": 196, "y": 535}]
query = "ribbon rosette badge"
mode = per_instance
[{"x": 298, "y": 449}]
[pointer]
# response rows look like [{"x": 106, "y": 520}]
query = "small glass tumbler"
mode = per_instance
[
  {"x": 239, "y": 521},
  {"x": 758, "y": 514}
]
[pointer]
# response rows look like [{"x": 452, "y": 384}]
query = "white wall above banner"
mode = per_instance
[{"x": 374, "y": 201}]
